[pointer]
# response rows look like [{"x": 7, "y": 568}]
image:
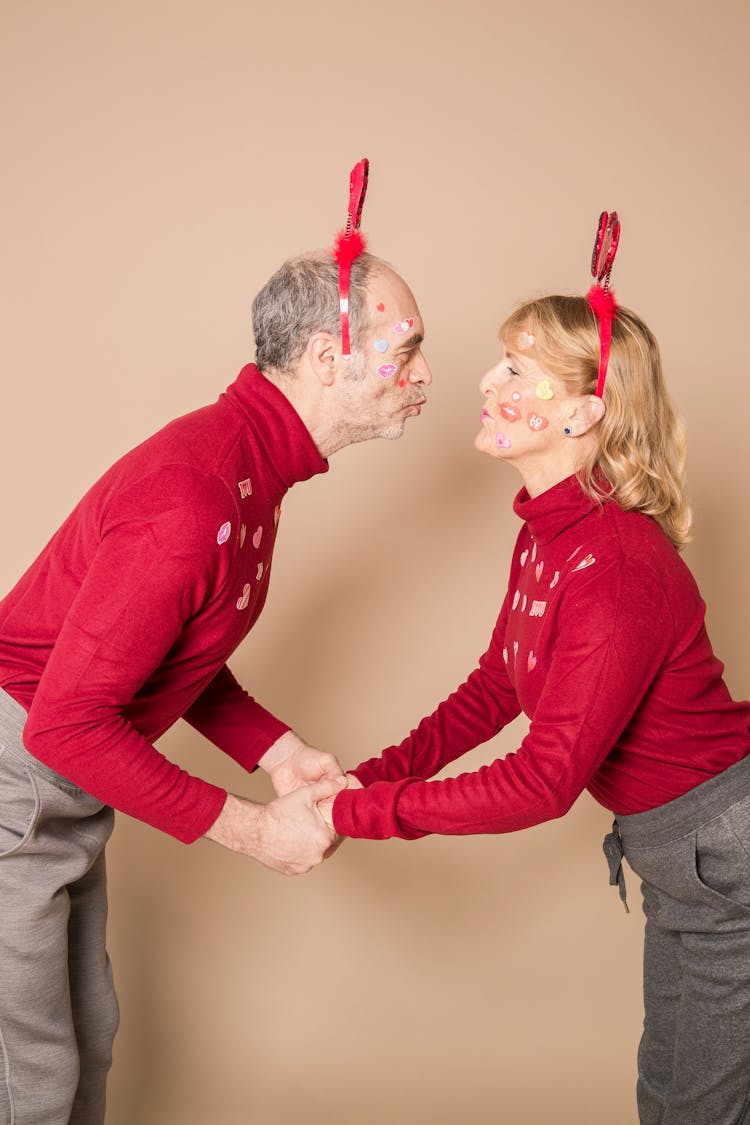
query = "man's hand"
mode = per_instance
[
  {"x": 287, "y": 835},
  {"x": 290, "y": 763}
]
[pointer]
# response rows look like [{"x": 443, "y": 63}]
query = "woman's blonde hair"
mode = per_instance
[{"x": 639, "y": 458}]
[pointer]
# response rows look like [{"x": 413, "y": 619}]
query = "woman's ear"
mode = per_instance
[{"x": 588, "y": 412}]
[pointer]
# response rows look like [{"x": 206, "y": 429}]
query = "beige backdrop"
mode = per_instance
[{"x": 160, "y": 159}]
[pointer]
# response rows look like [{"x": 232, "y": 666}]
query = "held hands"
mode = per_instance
[
  {"x": 288, "y": 834},
  {"x": 293, "y": 833}
]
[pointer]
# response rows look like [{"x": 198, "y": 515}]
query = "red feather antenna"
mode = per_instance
[
  {"x": 349, "y": 244},
  {"x": 600, "y": 297}
]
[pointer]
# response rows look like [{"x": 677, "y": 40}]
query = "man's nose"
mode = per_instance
[{"x": 420, "y": 371}]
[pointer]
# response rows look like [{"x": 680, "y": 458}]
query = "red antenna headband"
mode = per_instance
[
  {"x": 600, "y": 297},
  {"x": 349, "y": 244}
]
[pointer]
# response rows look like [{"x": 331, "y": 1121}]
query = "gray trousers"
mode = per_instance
[
  {"x": 693, "y": 855},
  {"x": 58, "y": 1010}
]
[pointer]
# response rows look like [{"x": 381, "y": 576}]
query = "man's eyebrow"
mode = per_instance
[{"x": 410, "y": 343}]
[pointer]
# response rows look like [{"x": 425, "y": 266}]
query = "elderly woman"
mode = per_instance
[{"x": 601, "y": 642}]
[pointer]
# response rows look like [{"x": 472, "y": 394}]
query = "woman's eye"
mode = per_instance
[{"x": 512, "y": 371}]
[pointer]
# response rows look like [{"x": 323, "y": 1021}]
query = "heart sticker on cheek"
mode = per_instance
[
  {"x": 380, "y": 307},
  {"x": 516, "y": 396},
  {"x": 381, "y": 345},
  {"x": 536, "y": 423},
  {"x": 502, "y": 441},
  {"x": 544, "y": 390},
  {"x": 387, "y": 370}
]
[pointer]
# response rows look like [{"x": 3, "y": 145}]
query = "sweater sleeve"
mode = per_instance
[
  {"x": 472, "y": 714},
  {"x": 614, "y": 633},
  {"x": 147, "y": 577},
  {"x": 226, "y": 715}
]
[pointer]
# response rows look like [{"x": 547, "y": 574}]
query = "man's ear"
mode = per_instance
[
  {"x": 323, "y": 353},
  {"x": 588, "y": 412}
]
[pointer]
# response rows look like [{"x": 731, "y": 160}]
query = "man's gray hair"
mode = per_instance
[{"x": 302, "y": 298}]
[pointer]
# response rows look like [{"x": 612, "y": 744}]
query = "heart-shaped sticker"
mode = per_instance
[
  {"x": 544, "y": 390},
  {"x": 380, "y": 345},
  {"x": 257, "y": 538}
]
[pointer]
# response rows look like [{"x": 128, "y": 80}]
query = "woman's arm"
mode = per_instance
[{"x": 613, "y": 639}]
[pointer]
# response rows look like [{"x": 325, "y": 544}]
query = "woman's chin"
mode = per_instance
[{"x": 486, "y": 442}]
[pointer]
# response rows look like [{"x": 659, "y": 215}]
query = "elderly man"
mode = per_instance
[{"x": 124, "y": 624}]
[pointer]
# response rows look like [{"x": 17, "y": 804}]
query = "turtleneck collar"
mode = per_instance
[
  {"x": 555, "y": 510},
  {"x": 277, "y": 426}
]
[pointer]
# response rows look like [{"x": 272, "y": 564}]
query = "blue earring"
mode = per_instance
[{"x": 567, "y": 431}]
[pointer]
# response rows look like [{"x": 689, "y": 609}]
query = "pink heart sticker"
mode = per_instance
[
  {"x": 539, "y": 569},
  {"x": 524, "y": 556},
  {"x": 244, "y": 601},
  {"x": 531, "y": 662},
  {"x": 257, "y": 538},
  {"x": 502, "y": 441}
]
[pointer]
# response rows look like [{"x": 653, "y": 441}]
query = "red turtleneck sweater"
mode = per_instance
[
  {"x": 124, "y": 622},
  {"x": 601, "y": 642}
]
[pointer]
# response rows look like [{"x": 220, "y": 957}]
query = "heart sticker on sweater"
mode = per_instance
[
  {"x": 243, "y": 533},
  {"x": 257, "y": 538},
  {"x": 531, "y": 662},
  {"x": 244, "y": 601},
  {"x": 259, "y": 571},
  {"x": 555, "y": 580},
  {"x": 588, "y": 561},
  {"x": 516, "y": 598},
  {"x": 539, "y": 570}
]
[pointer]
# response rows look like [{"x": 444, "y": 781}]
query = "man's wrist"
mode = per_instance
[
  {"x": 280, "y": 751},
  {"x": 238, "y": 826}
]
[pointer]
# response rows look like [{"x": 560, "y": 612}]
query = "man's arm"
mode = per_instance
[{"x": 288, "y": 834}]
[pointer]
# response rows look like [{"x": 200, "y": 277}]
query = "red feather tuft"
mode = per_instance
[
  {"x": 601, "y": 301},
  {"x": 347, "y": 247}
]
